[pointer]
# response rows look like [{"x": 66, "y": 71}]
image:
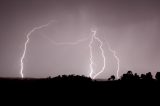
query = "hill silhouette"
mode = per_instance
[{"x": 129, "y": 84}]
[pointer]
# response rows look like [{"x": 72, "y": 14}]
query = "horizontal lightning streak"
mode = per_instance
[{"x": 65, "y": 43}]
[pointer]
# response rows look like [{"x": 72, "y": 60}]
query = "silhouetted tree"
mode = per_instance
[
  {"x": 129, "y": 73},
  {"x": 128, "y": 76},
  {"x": 49, "y": 77},
  {"x": 143, "y": 76},
  {"x": 147, "y": 76},
  {"x": 157, "y": 76},
  {"x": 136, "y": 76},
  {"x": 111, "y": 78}
]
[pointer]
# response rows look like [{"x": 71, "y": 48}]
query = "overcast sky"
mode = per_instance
[{"x": 132, "y": 27}]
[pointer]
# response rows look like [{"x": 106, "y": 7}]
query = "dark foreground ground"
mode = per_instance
[
  {"x": 79, "y": 83},
  {"x": 129, "y": 86}
]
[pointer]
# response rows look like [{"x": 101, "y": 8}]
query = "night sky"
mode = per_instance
[{"x": 132, "y": 27}]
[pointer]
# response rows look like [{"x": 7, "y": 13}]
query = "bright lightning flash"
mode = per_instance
[
  {"x": 102, "y": 53},
  {"x": 26, "y": 43},
  {"x": 91, "y": 55},
  {"x": 52, "y": 41},
  {"x": 93, "y": 37},
  {"x": 116, "y": 57}
]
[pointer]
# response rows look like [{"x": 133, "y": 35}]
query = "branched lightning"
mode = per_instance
[
  {"x": 102, "y": 53},
  {"x": 93, "y": 37},
  {"x": 91, "y": 55},
  {"x": 116, "y": 57}
]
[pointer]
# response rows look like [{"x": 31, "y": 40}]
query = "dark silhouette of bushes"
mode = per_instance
[
  {"x": 129, "y": 85},
  {"x": 127, "y": 76},
  {"x": 148, "y": 76},
  {"x": 130, "y": 76},
  {"x": 72, "y": 78},
  {"x": 129, "y": 79},
  {"x": 112, "y": 78},
  {"x": 157, "y": 76}
]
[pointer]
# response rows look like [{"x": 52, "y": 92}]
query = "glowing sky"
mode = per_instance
[{"x": 132, "y": 28}]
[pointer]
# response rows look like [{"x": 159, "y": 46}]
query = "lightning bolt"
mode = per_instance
[
  {"x": 27, "y": 42},
  {"x": 73, "y": 43},
  {"x": 52, "y": 41},
  {"x": 90, "y": 46},
  {"x": 93, "y": 36},
  {"x": 91, "y": 55},
  {"x": 116, "y": 57},
  {"x": 102, "y": 53}
]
